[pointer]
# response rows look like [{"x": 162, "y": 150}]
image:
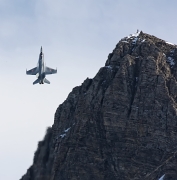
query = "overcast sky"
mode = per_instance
[{"x": 77, "y": 36}]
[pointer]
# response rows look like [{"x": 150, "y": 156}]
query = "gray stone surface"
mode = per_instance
[{"x": 120, "y": 125}]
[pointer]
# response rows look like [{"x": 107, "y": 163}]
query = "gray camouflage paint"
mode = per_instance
[{"x": 41, "y": 70}]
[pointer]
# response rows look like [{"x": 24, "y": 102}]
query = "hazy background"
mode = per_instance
[{"x": 77, "y": 36}]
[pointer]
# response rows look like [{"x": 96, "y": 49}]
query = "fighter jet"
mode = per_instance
[{"x": 41, "y": 70}]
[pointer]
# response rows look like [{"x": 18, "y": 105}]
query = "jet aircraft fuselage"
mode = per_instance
[
  {"x": 41, "y": 67},
  {"x": 41, "y": 70}
]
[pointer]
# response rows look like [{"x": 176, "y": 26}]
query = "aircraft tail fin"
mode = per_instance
[
  {"x": 37, "y": 81},
  {"x": 46, "y": 81}
]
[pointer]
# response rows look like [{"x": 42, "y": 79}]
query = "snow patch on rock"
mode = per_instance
[
  {"x": 170, "y": 60},
  {"x": 170, "y": 43},
  {"x": 62, "y": 135},
  {"x": 65, "y": 131},
  {"x": 162, "y": 177},
  {"x": 134, "y": 35}
]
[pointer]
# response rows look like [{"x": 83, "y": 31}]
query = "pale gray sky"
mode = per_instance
[{"x": 77, "y": 36}]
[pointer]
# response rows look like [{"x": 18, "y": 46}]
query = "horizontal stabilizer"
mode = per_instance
[
  {"x": 37, "y": 81},
  {"x": 46, "y": 81}
]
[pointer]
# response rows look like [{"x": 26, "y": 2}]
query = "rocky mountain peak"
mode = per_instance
[
  {"x": 141, "y": 44},
  {"x": 120, "y": 125}
]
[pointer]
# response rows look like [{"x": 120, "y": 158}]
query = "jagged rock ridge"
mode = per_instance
[{"x": 120, "y": 125}]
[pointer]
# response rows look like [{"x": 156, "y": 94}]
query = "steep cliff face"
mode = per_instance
[{"x": 120, "y": 125}]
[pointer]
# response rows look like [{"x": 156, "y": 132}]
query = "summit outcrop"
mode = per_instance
[{"x": 120, "y": 125}]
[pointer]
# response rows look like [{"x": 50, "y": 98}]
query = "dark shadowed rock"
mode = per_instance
[{"x": 120, "y": 125}]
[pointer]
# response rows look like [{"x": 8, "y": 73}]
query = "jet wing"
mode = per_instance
[
  {"x": 50, "y": 70},
  {"x": 32, "y": 71}
]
